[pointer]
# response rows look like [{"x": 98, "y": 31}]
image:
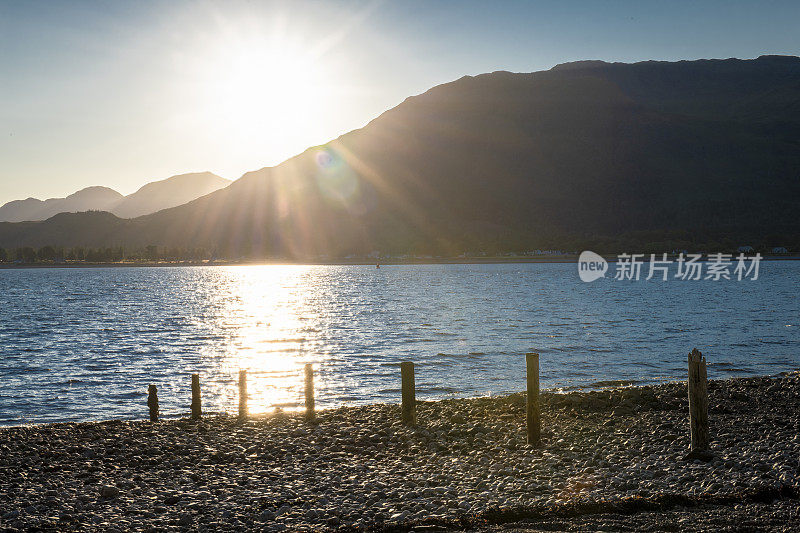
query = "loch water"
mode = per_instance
[{"x": 84, "y": 343}]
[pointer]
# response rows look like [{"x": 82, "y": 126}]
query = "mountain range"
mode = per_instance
[
  {"x": 150, "y": 198},
  {"x": 610, "y": 155}
]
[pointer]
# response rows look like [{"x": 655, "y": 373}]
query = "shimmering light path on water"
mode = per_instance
[{"x": 80, "y": 344}]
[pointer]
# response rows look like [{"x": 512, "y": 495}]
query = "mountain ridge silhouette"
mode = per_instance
[
  {"x": 149, "y": 198},
  {"x": 649, "y": 153}
]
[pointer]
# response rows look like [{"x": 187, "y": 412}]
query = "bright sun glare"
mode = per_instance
[
  {"x": 269, "y": 86},
  {"x": 264, "y": 92}
]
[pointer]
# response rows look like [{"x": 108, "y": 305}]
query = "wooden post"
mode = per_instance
[
  {"x": 196, "y": 410},
  {"x": 242, "y": 394},
  {"x": 152, "y": 402},
  {"x": 698, "y": 403},
  {"x": 533, "y": 416},
  {"x": 409, "y": 407},
  {"x": 310, "y": 415}
]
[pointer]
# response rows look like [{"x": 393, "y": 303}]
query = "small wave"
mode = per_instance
[
  {"x": 348, "y": 398},
  {"x": 435, "y": 390},
  {"x": 276, "y": 341},
  {"x": 286, "y": 404},
  {"x": 614, "y": 383},
  {"x": 148, "y": 351},
  {"x": 98, "y": 368},
  {"x": 127, "y": 395},
  {"x": 34, "y": 369},
  {"x": 471, "y": 355},
  {"x": 648, "y": 365}
]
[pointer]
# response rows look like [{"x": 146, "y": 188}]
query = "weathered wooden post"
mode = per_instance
[
  {"x": 196, "y": 409},
  {"x": 533, "y": 416},
  {"x": 698, "y": 404},
  {"x": 242, "y": 394},
  {"x": 310, "y": 414},
  {"x": 409, "y": 405},
  {"x": 152, "y": 402}
]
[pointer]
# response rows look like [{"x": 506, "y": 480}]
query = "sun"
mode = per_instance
[
  {"x": 264, "y": 94},
  {"x": 272, "y": 87}
]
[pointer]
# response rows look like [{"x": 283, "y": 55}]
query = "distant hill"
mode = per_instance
[
  {"x": 613, "y": 156},
  {"x": 98, "y": 198},
  {"x": 152, "y": 197},
  {"x": 168, "y": 193}
]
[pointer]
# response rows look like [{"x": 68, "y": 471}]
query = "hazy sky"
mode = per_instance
[{"x": 122, "y": 93}]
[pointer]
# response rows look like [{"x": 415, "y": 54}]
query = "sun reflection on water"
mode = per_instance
[{"x": 264, "y": 312}]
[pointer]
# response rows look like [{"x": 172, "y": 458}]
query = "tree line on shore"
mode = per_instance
[
  {"x": 674, "y": 242},
  {"x": 116, "y": 254}
]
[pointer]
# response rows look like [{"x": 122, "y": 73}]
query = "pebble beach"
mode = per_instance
[{"x": 613, "y": 459}]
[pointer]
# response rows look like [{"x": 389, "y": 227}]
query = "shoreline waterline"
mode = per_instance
[{"x": 298, "y": 409}]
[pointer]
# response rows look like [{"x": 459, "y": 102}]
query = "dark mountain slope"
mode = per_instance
[
  {"x": 92, "y": 229},
  {"x": 703, "y": 149}
]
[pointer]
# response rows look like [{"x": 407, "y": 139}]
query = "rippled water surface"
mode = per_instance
[{"x": 81, "y": 344}]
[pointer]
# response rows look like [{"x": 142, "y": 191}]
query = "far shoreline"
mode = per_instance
[{"x": 345, "y": 262}]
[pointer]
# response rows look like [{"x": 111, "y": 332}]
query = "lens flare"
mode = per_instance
[{"x": 336, "y": 180}]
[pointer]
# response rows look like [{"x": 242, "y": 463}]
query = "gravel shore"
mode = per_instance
[{"x": 610, "y": 460}]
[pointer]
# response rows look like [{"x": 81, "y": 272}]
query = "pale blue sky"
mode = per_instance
[{"x": 123, "y": 93}]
